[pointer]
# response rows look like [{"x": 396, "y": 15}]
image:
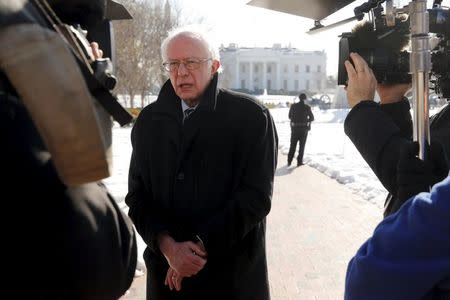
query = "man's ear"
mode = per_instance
[{"x": 215, "y": 66}]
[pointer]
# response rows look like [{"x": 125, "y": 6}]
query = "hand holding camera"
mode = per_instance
[
  {"x": 96, "y": 51},
  {"x": 361, "y": 80}
]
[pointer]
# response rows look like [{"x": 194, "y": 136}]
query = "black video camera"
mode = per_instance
[
  {"x": 85, "y": 21},
  {"x": 383, "y": 47}
]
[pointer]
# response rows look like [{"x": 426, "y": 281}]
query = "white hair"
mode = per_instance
[{"x": 194, "y": 31}]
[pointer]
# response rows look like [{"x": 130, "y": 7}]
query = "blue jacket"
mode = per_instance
[{"x": 408, "y": 256}]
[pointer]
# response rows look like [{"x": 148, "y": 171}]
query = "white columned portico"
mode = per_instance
[
  {"x": 280, "y": 85},
  {"x": 238, "y": 84},
  {"x": 250, "y": 84},
  {"x": 264, "y": 73}
]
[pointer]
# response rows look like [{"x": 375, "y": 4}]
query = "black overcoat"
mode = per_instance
[
  {"x": 211, "y": 176},
  {"x": 382, "y": 132}
]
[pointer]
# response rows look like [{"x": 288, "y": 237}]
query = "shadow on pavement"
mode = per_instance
[{"x": 284, "y": 170}]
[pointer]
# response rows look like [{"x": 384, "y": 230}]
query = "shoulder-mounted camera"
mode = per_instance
[{"x": 383, "y": 41}]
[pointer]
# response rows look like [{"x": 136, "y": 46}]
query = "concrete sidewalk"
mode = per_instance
[{"x": 314, "y": 228}]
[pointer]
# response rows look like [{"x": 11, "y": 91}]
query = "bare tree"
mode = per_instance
[{"x": 138, "y": 43}]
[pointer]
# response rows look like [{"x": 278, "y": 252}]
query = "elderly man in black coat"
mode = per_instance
[{"x": 201, "y": 180}]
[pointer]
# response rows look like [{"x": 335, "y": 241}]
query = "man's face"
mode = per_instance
[{"x": 190, "y": 84}]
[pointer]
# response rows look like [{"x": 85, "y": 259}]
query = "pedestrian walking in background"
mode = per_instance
[{"x": 301, "y": 117}]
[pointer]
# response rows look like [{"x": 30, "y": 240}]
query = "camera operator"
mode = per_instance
[
  {"x": 66, "y": 238},
  {"x": 408, "y": 255},
  {"x": 382, "y": 133}
]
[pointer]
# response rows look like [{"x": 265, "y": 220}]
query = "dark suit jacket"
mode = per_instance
[
  {"x": 300, "y": 113},
  {"x": 210, "y": 177}
]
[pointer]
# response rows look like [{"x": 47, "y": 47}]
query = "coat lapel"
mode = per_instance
[
  {"x": 196, "y": 120},
  {"x": 167, "y": 117},
  {"x": 169, "y": 104}
]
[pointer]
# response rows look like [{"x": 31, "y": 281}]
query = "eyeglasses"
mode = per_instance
[{"x": 190, "y": 64}]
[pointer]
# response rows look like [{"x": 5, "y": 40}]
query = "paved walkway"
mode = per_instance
[{"x": 314, "y": 228}]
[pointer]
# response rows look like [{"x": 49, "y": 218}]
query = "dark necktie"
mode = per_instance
[{"x": 188, "y": 112}]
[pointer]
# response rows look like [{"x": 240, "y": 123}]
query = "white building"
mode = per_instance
[{"x": 276, "y": 69}]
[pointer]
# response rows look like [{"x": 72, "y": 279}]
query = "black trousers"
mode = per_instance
[{"x": 298, "y": 135}]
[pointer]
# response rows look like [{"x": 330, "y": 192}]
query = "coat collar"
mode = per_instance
[{"x": 169, "y": 102}]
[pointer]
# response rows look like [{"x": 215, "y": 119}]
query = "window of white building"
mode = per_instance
[
  {"x": 296, "y": 69},
  {"x": 242, "y": 68},
  {"x": 285, "y": 68},
  {"x": 255, "y": 68},
  {"x": 269, "y": 69},
  {"x": 285, "y": 85},
  {"x": 307, "y": 68},
  {"x": 296, "y": 85},
  {"x": 243, "y": 84},
  {"x": 319, "y": 68},
  {"x": 269, "y": 84},
  {"x": 307, "y": 84}
]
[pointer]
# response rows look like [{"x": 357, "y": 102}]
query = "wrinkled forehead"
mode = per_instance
[{"x": 186, "y": 45}]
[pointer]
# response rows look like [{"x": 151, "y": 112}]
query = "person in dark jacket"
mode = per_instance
[
  {"x": 201, "y": 180},
  {"x": 62, "y": 241},
  {"x": 381, "y": 132},
  {"x": 408, "y": 255},
  {"x": 301, "y": 117}
]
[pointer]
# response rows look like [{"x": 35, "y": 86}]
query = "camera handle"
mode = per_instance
[
  {"x": 420, "y": 67},
  {"x": 80, "y": 48}
]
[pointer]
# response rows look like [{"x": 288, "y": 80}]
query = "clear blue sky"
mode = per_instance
[{"x": 232, "y": 21}]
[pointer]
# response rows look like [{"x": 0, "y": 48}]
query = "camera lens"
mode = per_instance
[{"x": 440, "y": 21}]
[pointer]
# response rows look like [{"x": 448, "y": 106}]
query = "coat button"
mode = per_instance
[{"x": 180, "y": 176}]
